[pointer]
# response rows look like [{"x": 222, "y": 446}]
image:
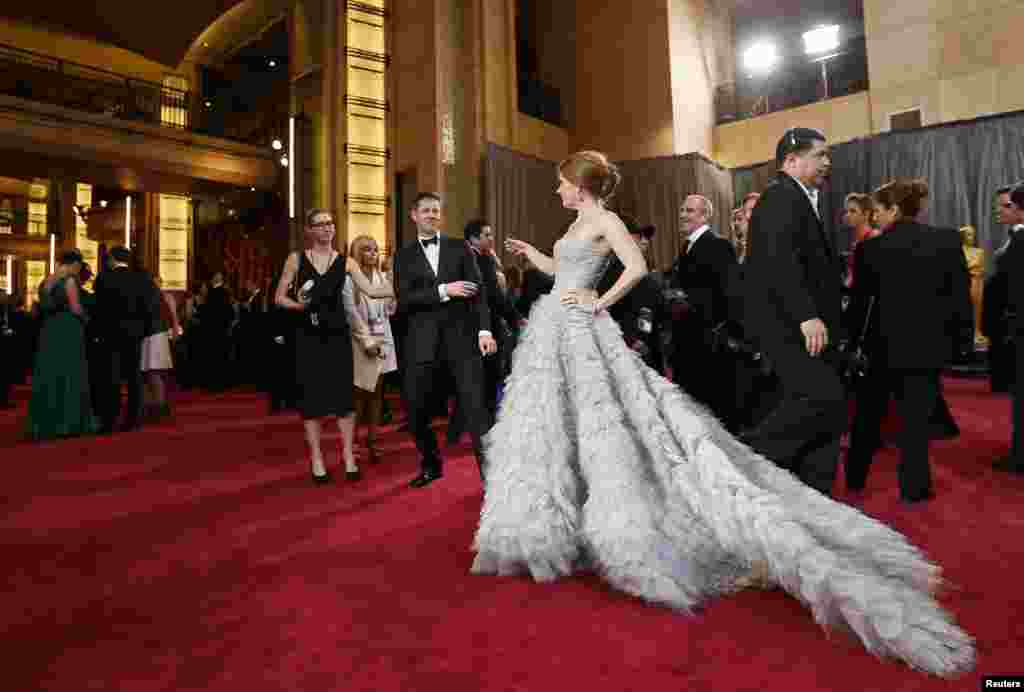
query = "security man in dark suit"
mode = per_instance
[{"x": 792, "y": 279}]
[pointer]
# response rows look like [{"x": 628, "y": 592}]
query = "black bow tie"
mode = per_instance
[{"x": 428, "y": 241}]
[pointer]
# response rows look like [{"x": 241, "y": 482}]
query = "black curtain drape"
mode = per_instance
[
  {"x": 521, "y": 199},
  {"x": 963, "y": 162}
]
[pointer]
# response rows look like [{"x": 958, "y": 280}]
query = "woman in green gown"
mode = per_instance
[{"x": 60, "y": 405}]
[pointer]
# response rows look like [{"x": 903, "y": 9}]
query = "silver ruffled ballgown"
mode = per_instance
[{"x": 598, "y": 463}]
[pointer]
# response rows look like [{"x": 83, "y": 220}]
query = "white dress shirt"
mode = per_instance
[
  {"x": 812, "y": 195},
  {"x": 695, "y": 236}
]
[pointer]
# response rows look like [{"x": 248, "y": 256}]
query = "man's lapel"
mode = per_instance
[
  {"x": 816, "y": 213},
  {"x": 421, "y": 257},
  {"x": 443, "y": 252}
]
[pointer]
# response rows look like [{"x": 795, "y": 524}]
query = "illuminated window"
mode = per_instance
[
  {"x": 174, "y": 102},
  {"x": 37, "y": 218},
  {"x": 6, "y": 217}
]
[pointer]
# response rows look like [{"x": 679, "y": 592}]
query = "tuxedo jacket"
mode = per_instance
[
  {"x": 127, "y": 304},
  {"x": 704, "y": 273},
  {"x": 217, "y": 313},
  {"x": 1012, "y": 268},
  {"x": 996, "y": 304},
  {"x": 918, "y": 277},
  {"x": 430, "y": 323},
  {"x": 792, "y": 272},
  {"x": 498, "y": 304}
]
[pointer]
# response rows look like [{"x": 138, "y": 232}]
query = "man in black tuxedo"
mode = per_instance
[
  {"x": 126, "y": 306},
  {"x": 702, "y": 271},
  {"x": 480, "y": 239},
  {"x": 448, "y": 325},
  {"x": 995, "y": 313},
  {"x": 1014, "y": 267},
  {"x": 641, "y": 312},
  {"x": 217, "y": 316},
  {"x": 792, "y": 312}
]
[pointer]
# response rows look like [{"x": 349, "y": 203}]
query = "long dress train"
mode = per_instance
[{"x": 597, "y": 462}]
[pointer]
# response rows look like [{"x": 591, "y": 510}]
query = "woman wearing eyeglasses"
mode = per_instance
[{"x": 312, "y": 283}]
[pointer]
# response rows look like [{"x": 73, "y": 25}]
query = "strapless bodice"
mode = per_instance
[{"x": 578, "y": 264}]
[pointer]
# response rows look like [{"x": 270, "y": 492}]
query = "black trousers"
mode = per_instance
[
  {"x": 802, "y": 432},
  {"x": 421, "y": 402},
  {"x": 493, "y": 373},
  {"x": 709, "y": 378},
  {"x": 917, "y": 394},
  {"x": 125, "y": 359}
]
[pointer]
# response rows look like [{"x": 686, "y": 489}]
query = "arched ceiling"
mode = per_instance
[{"x": 165, "y": 33}]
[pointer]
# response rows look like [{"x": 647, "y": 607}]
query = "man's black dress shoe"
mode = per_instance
[{"x": 424, "y": 479}]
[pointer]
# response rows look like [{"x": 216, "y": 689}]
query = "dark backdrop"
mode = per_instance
[{"x": 963, "y": 162}]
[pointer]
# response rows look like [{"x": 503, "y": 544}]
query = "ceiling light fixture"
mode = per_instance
[{"x": 277, "y": 144}]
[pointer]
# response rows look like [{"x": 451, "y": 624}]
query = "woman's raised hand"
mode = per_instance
[{"x": 518, "y": 248}]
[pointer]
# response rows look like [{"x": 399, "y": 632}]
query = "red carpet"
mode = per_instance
[{"x": 198, "y": 556}]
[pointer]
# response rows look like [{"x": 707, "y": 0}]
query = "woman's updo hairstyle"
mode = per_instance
[
  {"x": 908, "y": 195},
  {"x": 593, "y": 172}
]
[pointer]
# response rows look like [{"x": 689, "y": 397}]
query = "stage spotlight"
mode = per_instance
[
  {"x": 824, "y": 39},
  {"x": 277, "y": 144},
  {"x": 760, "y": 57}
]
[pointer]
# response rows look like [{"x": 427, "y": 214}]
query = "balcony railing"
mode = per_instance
[{"x": 46, "y": 79}]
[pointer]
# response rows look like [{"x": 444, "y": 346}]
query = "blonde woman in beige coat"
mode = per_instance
[{"x": 373, "y": 346}]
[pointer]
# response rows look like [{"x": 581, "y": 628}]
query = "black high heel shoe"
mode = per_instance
[
  {"x": 353, "y": 475},
  {"x": 321, "y": 480}
]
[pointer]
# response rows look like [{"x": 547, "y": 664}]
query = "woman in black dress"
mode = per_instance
[{"x": 312, "y": 283}]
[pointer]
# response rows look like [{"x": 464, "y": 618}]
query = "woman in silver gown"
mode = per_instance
[{"x": 596, "y": 462}]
